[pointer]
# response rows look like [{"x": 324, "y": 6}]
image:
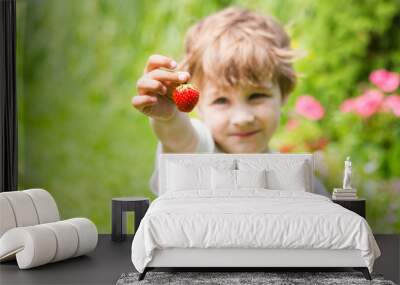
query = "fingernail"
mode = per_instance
[
  {"x": 164, "y": 90},
  {"x": 173, "y": 64},
  {"x": 182, "y": 76}
]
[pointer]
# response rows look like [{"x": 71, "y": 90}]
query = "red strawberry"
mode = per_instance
[{"x": 185, "y": 97}]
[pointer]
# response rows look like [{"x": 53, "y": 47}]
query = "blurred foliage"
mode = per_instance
[
  {"x": 77, "y": 66},
  {"x": 372, "y": 143}
]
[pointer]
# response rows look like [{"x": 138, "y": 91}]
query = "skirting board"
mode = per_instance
[{"x": 234, "y": 257}]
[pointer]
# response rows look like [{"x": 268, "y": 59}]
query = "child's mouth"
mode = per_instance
[{"x": 245, "y": 134}]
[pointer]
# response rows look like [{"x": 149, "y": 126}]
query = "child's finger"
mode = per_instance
[
  {"x": 165, "y": 75},
  {"x": 147, "y": 85},
  {"x": 156, "y": 61},
  {"x": 142, "y": 101},
  {"x": 170, "y": 84}
]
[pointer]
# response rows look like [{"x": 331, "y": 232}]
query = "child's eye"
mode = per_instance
[
  {"x": 221, "y": 100},
  {"x": 258, "y": 95}
]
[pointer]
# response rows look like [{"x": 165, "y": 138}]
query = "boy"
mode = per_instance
[{"x": 241, "y": 63}]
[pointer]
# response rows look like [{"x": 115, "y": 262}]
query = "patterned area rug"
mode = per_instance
[{"x": 225, "y": 278}]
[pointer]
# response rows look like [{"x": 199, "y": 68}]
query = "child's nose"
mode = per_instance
[{"x": 242, "y": 117}]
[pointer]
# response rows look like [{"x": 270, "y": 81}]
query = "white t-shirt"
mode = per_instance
[{"x": 206, "y": 144}]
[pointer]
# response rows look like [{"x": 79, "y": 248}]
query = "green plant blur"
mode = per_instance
[{"x": 77, "y": 66}]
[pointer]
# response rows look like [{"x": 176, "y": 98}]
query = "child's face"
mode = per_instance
[{"x": 241, "y": 120}]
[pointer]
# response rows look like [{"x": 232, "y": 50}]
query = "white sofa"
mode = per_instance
[{"x": 31, "y": 231}]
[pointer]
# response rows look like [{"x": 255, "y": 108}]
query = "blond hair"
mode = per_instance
[{"x": 236, "y": 46}]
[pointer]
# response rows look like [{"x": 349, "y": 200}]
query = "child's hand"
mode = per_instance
[{"x": 155, "y": 87}]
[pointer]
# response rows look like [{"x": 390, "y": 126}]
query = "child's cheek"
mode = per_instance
[
  {"x": 272, "y": 110},
  {"x": 216, "y": 121},
  {"x": 269, "y": 116},
  {"x": 219, "y": 120}
]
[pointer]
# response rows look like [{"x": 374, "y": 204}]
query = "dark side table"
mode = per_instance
[
  {"x": 357, "y": 205},
  {"x": 120, "y": 206}
]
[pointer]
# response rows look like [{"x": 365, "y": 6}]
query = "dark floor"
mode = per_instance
[
  {"x": 102, "y": 266},
  {"x": 111, "y": 259}
]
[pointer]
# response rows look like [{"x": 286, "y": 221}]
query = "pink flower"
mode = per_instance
[
  {"x": 392, "y": 103},
  {"x": 387, "y": 81},
  {"x": 309, "y": 107},
  {"x": 348, "y": 105},
  {"x": 369, "y": 103}
]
